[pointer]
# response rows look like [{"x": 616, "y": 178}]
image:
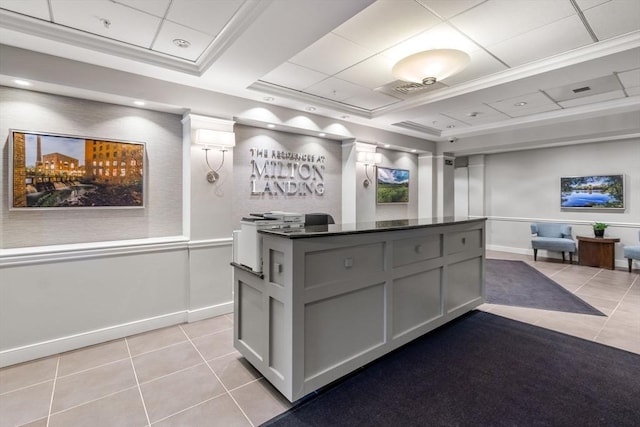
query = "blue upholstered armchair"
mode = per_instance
[
  {"x": 553, "y": 237},
  {"x": 632, "y": 252}
]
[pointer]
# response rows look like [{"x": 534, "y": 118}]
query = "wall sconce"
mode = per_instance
[
  {"x": 368, "y": 158},
  {"x": 210, "y": 139}
]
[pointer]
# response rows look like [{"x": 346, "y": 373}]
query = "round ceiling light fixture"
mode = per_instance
[
  {"x": 520, "y": 104},
  {"x": 182, "y": 43},
  {"x": 430, "y": 66}
]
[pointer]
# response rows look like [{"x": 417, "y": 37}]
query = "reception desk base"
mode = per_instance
[{"x": 328, "y": 304}]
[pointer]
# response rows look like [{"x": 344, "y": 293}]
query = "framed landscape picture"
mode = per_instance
[
  {"x": 61, "y": 171},
  {"x": 392, "y": 185},
  {"x": 592, "y": 192}
]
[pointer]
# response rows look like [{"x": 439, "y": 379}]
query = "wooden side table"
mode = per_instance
[{"x": 597, "y": 251}]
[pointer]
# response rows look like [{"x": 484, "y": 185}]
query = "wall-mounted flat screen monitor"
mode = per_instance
[
  {"x": 602, "y": 192},
  {"x": 392, "y": 185}
]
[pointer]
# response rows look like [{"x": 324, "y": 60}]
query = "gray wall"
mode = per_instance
[
  {"x": 248, "y": 138},
  {"x": 524, "y": 186},
  {"x": 162, "y": 133}
]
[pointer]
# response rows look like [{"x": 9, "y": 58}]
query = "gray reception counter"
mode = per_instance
[{"x": 334, "y": 298}]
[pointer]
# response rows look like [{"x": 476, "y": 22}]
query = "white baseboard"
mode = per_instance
[
  {"x": 72, "y": 342},
  {"x": 211, "y": 311},
  {"x": 622, "y": 263}
]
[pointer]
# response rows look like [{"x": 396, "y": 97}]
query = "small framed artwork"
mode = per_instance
[
  {"x": 392, "y": 185},
  {"x": 602, "y": 192},
  {"x": 49, "y": 171}
]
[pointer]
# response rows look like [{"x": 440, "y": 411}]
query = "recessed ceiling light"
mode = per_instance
[
  {"x": 140, "y": 103},
  {"x": 182, "y": 43},
  {"x": 22, "y": 82},
  {"x": 386, "y": 146},
  {"x": 520, "y": 104},
  {"x": 271, "y": 125},
  {"x": 268, "y": 98},
  {"x": 450, "y": 126},
  {"x": 322, "y": 134},
  {"x": 414, "y": 150},
  {"x": 473, "y": 114},
  {"x": 311, "y": 108}
]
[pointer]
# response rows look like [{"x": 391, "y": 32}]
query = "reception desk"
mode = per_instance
[{"x": 334, "y": 298}]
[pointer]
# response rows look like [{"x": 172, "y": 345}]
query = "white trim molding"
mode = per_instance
[{"x": 72, "y": 342}]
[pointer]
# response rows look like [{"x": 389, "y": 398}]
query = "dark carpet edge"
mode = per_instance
[
  {"x": 561, "y": 288},
  {"x": 319, "y": 394}
]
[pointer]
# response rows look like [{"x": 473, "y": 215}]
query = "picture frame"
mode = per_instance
[
  {"x": 594, "y": 192},
  {"x": 392, "y": 185},
  {"x": 56, "y": 171}
]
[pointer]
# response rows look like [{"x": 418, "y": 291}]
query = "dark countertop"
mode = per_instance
[{"x": 367, "y": 227}]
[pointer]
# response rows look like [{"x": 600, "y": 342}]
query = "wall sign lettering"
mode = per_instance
[{"x": 287, "y": 173}]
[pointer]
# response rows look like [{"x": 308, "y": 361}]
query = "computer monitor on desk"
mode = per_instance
[{"x": 312, "y": 219}]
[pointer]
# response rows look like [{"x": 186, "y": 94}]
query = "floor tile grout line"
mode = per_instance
[
  {"x": 135, "y": 374},
  {"x": 53, "y": 390},
  {"x": 171, "y": 373},
  {"x": 92, "y": 400},
  {"x": 26, "y": 387},
  {"x": 93, "y": 367},
  {"x": 616, "y": 307},
  {"x": 187, "y": 339},
  {"x": 190, "y": 407},
  {"x": 221, "y": 383}
]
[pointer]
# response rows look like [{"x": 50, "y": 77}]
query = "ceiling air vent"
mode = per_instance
[
  {"x": 581, "y": 89},
  {"x": 408, "y": 89}
]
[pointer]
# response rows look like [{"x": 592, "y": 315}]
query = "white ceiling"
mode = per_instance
[{"x": 527, "y": 56}]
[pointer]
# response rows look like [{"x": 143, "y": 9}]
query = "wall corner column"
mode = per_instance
[{"x": 477, "y": 186}]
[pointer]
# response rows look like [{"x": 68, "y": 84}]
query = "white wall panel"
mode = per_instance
[{"x": 58, "y": 305}]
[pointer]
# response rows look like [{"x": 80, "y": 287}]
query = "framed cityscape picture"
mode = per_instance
[{"x": 49, "y": 171}]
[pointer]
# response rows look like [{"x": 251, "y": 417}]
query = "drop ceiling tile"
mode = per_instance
[
  {"x": 447, "y": 8},
  {"x": 170, "y": 31},
  {"x": 593, "y": 99},
  {"x": 536, "y": 101},
  {"x": 531, "y": 110},
  {"x": 371, "y": 100},
  {"x": 127, "y": 25},
  {"x": 156, "y": 7},
  {"x": 331, "y": 54},
  {"x": 494, "y": 21},
  {"x": 294, "y": 76},
  {"x": 482, "y": 64},
  {"x": 558, "y": 37},
  {"x": 614, "y": 18},
  {"x": 371, "y": 73},
  {"x": 630, "y": 79},
  {"x": 206, "y": 16},
  {"x": 439, "y": 122},
  {"x": 442, "y": 36},
  {"x": 588, "y": 4},
  {"x": 386, "y": 23},
  {"x": 36, "y": 8},
  {"x": 604, "y": 84},
  {"x": 476, "y": 114},
  {"x": 634, "y": 91},
  {"x": 336, "y": 89}
]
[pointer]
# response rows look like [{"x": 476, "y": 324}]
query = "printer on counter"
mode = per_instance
[{"x": 247, "y": 242}]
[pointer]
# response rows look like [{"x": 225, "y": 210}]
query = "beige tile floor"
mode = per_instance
[{"x": 190, "y": 374}]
